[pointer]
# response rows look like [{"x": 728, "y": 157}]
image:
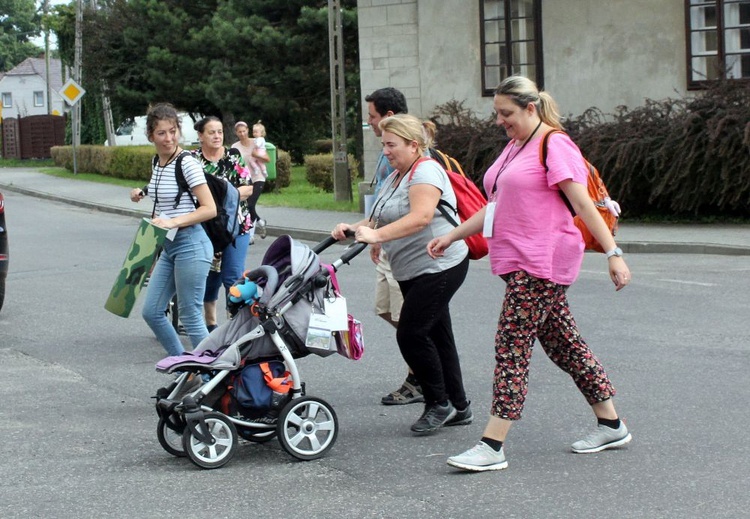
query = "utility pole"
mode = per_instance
[
  {"x": 76, "y": 123},
  {"x": 45, "y": 12},
  {"x": 342, "y": 182}
]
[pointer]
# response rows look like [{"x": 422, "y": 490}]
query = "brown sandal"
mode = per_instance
[{"x": 406, "y": 394}]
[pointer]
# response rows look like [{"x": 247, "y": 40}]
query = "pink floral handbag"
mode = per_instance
[{"x": 350, "y": 343}]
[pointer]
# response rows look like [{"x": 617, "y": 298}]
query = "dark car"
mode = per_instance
[{"x": 4, "y": 256}]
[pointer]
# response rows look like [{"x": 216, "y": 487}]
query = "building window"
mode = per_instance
[
  {"x": 511, "y": 32},
  {"x": 39, "y": 98},
  {"x": 7, "y": 100},
  {"x": 719, "y": 40}
]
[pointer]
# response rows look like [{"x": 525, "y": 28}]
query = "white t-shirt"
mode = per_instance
[{"x": 162, "y": 188}]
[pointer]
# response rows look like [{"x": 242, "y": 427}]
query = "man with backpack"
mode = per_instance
[{"x": 383, "y": 103}]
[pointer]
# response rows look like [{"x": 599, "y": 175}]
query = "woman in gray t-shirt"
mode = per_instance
[{"x": 404, "y": 220}]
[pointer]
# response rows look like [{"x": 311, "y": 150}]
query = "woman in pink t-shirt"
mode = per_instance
[{"x": 537, "y": 250}]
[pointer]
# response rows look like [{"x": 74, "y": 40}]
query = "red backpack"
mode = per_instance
[
  {"x": 597, "y": 192},
  {"x": 469, "y": 200}
]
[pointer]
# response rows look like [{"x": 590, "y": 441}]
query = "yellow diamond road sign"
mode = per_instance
[{"x": 72, "y": 92}]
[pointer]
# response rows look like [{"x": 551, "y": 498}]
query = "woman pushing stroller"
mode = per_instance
[{"x": 404, "y": 220}]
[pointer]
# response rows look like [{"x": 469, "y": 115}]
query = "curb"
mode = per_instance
[
  {"x": 646, "y": 247},
  {"x": 639, "y": 247},
  {"x": 297, "y": 234}
]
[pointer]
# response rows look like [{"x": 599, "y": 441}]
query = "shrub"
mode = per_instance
[
  {"x": 319, "y": 170},
  {"x": 129, "y": 162},
  {"x": 88, "y": 158},
  {"x": 132, "y": 162},
  {"x": 283, "y": 171},
  {"x": 323, "y": 145},
  {"x": 62, "y": 156},
  {"x": 683, "y": 157}
]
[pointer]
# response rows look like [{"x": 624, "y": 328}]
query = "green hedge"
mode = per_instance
[
  {"x": 134, "y": 162},
  {"x": 319, "y": 170},
  {"x": 130, "y": 162}
]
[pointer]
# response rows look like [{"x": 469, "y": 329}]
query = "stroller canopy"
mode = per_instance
[{"x": 290, "y": 259}]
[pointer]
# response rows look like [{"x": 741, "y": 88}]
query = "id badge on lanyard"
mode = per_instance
[{"x": 489, "y": 219}]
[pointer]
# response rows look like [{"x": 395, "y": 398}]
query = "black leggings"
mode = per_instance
[
  {"x": 253, "y": 199},
  {"x": 425, "y": 334}
]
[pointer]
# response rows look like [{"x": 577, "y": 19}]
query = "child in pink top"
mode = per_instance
[{"x": 258, "y": 165}]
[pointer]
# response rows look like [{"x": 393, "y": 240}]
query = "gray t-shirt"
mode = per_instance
[{"x": 408, "y": 255}]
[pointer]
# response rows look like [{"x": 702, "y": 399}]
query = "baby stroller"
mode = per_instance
[{"x": 199, "y": 413}]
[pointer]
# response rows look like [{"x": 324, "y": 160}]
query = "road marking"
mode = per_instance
[{"x": 688, "y": 282}]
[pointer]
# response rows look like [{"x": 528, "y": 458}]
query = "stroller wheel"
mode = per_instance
[
  {"x": 170, "y": 437},
  {"x": 307, "y": 427},
  {"x": 218, "y": 453}
]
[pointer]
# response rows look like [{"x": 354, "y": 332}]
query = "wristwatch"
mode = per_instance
[{"x": 617, "y": 251}]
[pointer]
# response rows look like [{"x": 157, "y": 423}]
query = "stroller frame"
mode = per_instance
[{"x": 306, "y": 427}]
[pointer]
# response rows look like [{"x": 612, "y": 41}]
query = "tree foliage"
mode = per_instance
[
  {"x": 19, "y": 23},
  {"x": 236, "y": 59}
]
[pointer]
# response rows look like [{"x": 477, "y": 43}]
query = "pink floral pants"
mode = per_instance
[{"x": 538, "y": 309}]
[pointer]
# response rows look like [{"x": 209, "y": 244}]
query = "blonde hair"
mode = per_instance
[
  {"x": 408, "y": 128},
  {"x": 522, "y": 91},
  {"x": 262, "y": 128}
]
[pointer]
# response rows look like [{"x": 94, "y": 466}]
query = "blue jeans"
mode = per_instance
[
  {"x": 232, "y": 267},
  {"x": 182, "y": 268}
]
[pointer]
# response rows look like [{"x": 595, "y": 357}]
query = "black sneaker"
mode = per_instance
[
  {"x": 463, "y": 416},
  {"x": 433, "y": 418}
]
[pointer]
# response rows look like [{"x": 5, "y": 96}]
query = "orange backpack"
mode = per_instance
[{"x": 597, "y": 192}]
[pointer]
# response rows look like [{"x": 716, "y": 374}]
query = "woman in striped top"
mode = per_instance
[{"x": 185, "y": 259}]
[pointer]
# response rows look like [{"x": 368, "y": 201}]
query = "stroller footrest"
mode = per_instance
[{"x": 227, "y": 359}]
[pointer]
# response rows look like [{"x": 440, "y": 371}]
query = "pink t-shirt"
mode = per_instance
[{"x": 533, "y": 229}]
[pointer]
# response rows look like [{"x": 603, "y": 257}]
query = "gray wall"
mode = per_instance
[
  {"x": 615, "y": 52},
  {"x": 596, "y": 53}
]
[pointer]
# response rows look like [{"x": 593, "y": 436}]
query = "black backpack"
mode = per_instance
[{"x": 223, "y": 228}]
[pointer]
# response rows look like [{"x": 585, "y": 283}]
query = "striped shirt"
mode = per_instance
[{"x": 162, "y": 187}]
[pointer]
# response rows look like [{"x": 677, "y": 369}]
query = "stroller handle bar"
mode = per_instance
[{"x": 350, "y": 253}]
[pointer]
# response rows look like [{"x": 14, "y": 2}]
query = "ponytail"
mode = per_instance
[{"x": 548, "y": 111}]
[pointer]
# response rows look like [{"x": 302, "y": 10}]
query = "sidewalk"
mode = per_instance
[{"x": 316, "y": 225}]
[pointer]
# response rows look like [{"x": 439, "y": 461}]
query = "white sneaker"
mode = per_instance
[
  {"x": 603, "y": 438},
  {"x": 260, "y": 225},
  {"x": 479, "y": 458}
]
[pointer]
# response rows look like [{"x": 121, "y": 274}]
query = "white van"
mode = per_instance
[{"x": 133, "y": 133}]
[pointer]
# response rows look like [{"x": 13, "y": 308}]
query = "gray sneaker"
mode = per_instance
[
  {"x": 433, "y": 418},
  {"x": 463, "y": 416},
  {"x": 479, "y": 458},
  {"x": 603, "y": 438}
]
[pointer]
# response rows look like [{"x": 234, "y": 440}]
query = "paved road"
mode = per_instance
[
  {"x": 79, "y": 428},
  {"x": 314, "y": 225}
]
